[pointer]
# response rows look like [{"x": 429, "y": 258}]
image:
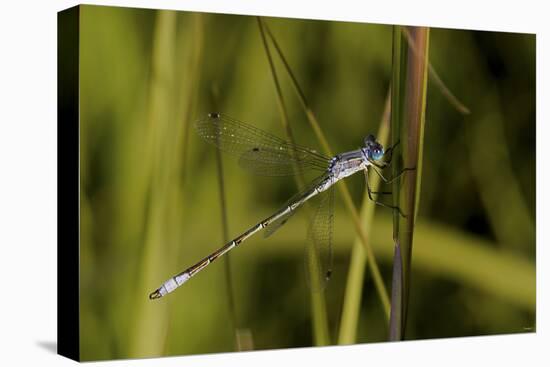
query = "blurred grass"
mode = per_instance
[
  {"x": 491, "y": 166},
  {"x": 319, "y": 320},
  {"x": 358, "y": 258},
  {"x": 444, "y": 253},
  {"x": 152, "y": 324},
  {"x": 314, "y": 123},
  {"x": 149, "y": 210}
]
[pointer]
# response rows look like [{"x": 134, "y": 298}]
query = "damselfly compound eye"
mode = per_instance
[{"x": 377, "y": 153}]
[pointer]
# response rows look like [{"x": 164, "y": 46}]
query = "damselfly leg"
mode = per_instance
[{"x": 370, "y": 193}]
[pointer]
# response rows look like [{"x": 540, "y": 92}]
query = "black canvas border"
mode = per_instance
[{"x": 68, "y": 182}]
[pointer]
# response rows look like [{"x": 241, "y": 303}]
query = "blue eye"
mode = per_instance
[{"x": 377, "y": 154}]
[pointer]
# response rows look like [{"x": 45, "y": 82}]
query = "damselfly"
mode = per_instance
[{"x": 266, "y": 154}]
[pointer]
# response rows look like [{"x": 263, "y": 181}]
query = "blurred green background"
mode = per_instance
[{"x": 150, "y": 202}]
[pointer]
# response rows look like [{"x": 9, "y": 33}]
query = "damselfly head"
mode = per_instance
[
  {"x": 369, "y": 139},
  {"x": 373, "y": 149}
]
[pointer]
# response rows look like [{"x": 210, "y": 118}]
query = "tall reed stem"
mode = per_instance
[{"x": 409, "y": 85}]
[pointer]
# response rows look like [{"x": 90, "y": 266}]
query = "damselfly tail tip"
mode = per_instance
[{"x": 156, "y": 294}]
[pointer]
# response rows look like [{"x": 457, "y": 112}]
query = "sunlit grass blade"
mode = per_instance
[
  {"x": 482, "y": 266},
  {"x": 318, "y": 303},
  {"x": 342, "y": 186},
  {"x": 358, "y": 260},
  {"x": 409, "y": 85},
  {"x": 191, "y": 78},
  {"x": 471, "y": 260},
  {"x": 243, "y": 337},
  {"x": 225, "y": 237},
  {"x": 151, "y": 328}
]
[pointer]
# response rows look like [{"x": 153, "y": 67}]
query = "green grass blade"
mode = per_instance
[
  {"x": 318, "y": 303},
  {"x": 467, "y": 259},
  {"x": 358, "y": 260},
  {"x": 152, "y": 325},
  {"x": 191, "y": 77},
  {"x": 342, "y": 186},
  {"x": 511, "y": 220},
  {"x": 409, "y": 85},
  {"x": 396, "y": 330},
  {"x": 480, "y": 266},
  {"x": 434, "y": 77},
  {"x": 225, "y": 237},
  {"x": 242, "y": 337}
]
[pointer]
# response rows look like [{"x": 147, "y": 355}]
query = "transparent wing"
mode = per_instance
[
  {"x": 273, "y": 227},
  {"x": 318, "y": 252},
  {"x": 260, "y": 152},
  {"x": 274, "y": 162}
]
